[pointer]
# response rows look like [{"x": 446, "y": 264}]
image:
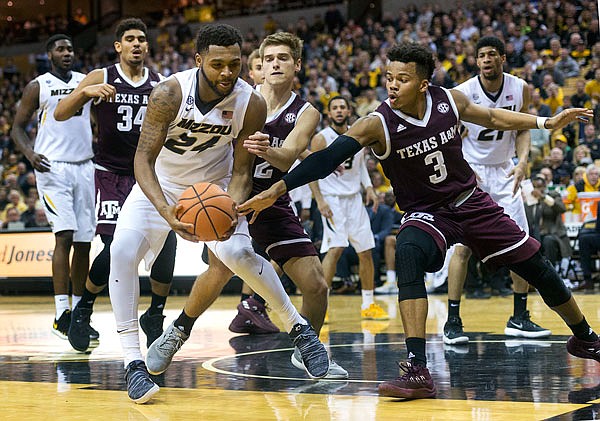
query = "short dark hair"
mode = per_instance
[
  {"x": 127, "y": 24},
  {"x": 52, "y": 40},
  {"x": 491, "y": 42},
  {"x": 343, "y": 98},
  {"x": 219, "y": 34},
  {"x": 409, "y": 52}
]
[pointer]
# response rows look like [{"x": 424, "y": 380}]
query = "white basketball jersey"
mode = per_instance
[
  {"x": 69, "y": 140},
  {"x": 198, "y": 146},
  {"x": 487, "y": 146},
  {"x": 349, "y": 182}
]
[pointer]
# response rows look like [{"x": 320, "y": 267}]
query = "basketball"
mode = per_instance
[{"x": 209, "y": 208}]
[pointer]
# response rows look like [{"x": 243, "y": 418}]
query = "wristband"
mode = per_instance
[{"x": 540, "y": 122}]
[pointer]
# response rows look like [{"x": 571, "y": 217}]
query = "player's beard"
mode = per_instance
[
  {"x": 342, "y": 123},
  {"x": 60, "y": 67},
  {"x": 213, "y": 86}
]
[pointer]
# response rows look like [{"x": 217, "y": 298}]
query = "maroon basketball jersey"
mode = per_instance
[
  {"x": 119, "y": 122},
  {"x": 424, "y": 159},
  {"x": 278, "y": 127}
]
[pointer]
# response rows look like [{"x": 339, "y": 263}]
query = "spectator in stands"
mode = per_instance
[
  {"x": 580, "y": 99},
  {"x": 589, "y": 244},
  {"x": 442, "y": 78},
  {"x": 578, "y": 173},
  {"x": 514, "y": 59},
  {"x": 368, "y": 103},
  {"x": 591, "y": 140},
  {"x": 589, "y": 183},
  {"x": 592, "y": 88},
  {"x": 552, "y": 94},
  {"x": 3, "y": 200},
  {"x": 560, "y": 142},
  {"x": 548, "y": 175},
  {"x": 28, "y": 183},
  {"x": 28, "y": 215},
  {"x": 346, "y": 81},
  {"x": 40, "y": 220},
  {"x": 561, "y": 169},
  {"x": 540, "y": 108},
  {"x": 11, "y": 166},
  {"x": 545, "y": 222},
  {"x": 12, "y": 216},
  {"x": 582, "y": 156},
  {"x": 16, "y": 201},
  {"x": 580, "y": 53},
  {"x": 382, "y": 221},
  {"x": 389, "y": 248},
  {"x": 567, "y": 65}
]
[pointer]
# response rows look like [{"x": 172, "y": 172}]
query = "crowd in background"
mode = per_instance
[{"x": 553, "y": 45}]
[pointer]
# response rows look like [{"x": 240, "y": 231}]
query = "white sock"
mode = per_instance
[
  {"x": 237, "y": 254},
  {"x": 127, "y": 250},
  {"x": 61, "y": 303},
  {"x": 74, "y": 300},
  {"x": 367, "y": 298},
  {"x": 391, "y": 277}
]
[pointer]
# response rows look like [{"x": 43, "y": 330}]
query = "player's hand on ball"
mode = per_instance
[
  {"x": 185, "y": 230},
  {"x": 207, "y": 211},
  {"x": 255, "y": 205}
]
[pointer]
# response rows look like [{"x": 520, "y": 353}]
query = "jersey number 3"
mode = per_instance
[{"x": 437, "y": 159}]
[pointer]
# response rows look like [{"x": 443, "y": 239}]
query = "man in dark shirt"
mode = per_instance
[{"x": 415, "y": 135}]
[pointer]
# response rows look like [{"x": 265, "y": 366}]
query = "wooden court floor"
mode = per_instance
[{"x": 220, "y": 375}]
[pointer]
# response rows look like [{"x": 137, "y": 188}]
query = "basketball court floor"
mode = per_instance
[{"x": 224, "y": 376}]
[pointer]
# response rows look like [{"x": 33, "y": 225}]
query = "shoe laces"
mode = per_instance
[
  {"x": 307, "y": 344},
  {"x": 411, "y": 373},
  {"x": 171, "y": 341}
]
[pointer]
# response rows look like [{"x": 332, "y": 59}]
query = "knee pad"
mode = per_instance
[
  {"x": 162, "y": 268},
  {"x": 416, "y": 253},
  {"x": 540, "y": 273},
  {"x": 410, "y": 270}
]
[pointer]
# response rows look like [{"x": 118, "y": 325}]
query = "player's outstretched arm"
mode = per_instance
[
  {"x": 30, "y": 101},
  {"x": 500, "y": 119},
  {"x": 294, "y": 144},
  {"x": 241, "y": 178},
  {"x": 92, "y": 86},
  {"x": 163, "y": 105},
  {"x": 367, "y": 131}
]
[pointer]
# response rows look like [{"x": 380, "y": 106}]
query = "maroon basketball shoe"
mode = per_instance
[
  {"x": 414, "y": 383},
  {"x": 584, "y": 349},
  {"x": 252, "y": 318}
]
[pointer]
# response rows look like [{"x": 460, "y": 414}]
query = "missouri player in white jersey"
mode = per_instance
[
  {"x": 62, "y": 159},
  {"x": 345, "y": 219},
  {"x": 191, "y": 121},
  {"x": 490, "y": 153}
]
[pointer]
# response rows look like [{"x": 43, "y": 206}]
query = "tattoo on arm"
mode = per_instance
[{"x": 163, "y": 105}]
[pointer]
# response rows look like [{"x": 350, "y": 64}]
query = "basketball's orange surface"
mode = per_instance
[{"x": 209, "y": 208}]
